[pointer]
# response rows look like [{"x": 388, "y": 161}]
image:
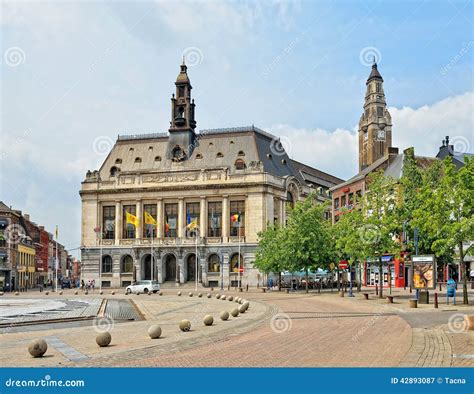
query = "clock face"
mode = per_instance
[{"x": 381, "y": 135}]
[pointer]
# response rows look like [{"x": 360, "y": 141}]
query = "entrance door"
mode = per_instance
[
  {"x": 146, "y": 274},
  {"x": 170, "y": 268},
  {"x": 191, "y": 267}
]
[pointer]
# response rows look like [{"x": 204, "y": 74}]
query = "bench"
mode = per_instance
[{"x": 366, "y": 296}]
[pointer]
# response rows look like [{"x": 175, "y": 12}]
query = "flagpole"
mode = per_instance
[
  {"x": 100, "y": 262},
  {"x": 196, "y": 264}
]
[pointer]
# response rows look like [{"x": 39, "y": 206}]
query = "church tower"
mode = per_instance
[
  {"x": 375, "y": 124},
  {"x": 182, "y": 137}
]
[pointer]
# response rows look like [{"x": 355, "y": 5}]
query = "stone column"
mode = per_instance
[
  {"x": 181, "y": 217},
  {"x": 203, "y": 217},
  {"x": 159, "y": 219},
  {"x": 181, "y": 270},
  {"x": 159, "y": 264},
  {"x": 225, "y": 218},
  {"x": 225, "y": 269},
  {"x": 139, "y": 228},
  {"x": 118, "y": 222}
]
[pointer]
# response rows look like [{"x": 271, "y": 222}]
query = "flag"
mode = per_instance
[
  {"x": 167, "y": 226},
  {"x": 149, "y": 219},
  {"x": 131, "y": 219},
  {"x": 188, "y": 218},
  {"x": 193, "y": 224},
  {"x": 235, "y": 218},
  {"x": 56, "y": 232}
]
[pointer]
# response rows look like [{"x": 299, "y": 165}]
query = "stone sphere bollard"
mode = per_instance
[
  {"x": 103, "y": 339},
  {"x": 199, "y": 295},
  {"x": 113, "y": 293},
  {"x": 60, "y": 293},
  {"x": 242, "y": 309},
  {"x": 37, "y": 347},
  {"x": 230, "y": 298},
  {"x": 1, "y": 293},
  {"x": 185, "y": 325},
  {"x": 150, "y": 293},
  {"x": 246, "y": 304},
  {"x": 86, "y": 292},
  {"x": 46, "y": 292},
  {"x": 190, "y": 294},
  {"x": 224, "y": 315},
  {"x": 218, "y": 296},
  {"x": 223, "y": 297},
  {"x": 209, "y": 295},
  {"x": 208, "y": 320},
  {"x": 101, "y": 292},
  {"x": 75, "y": 293},
  {"x": 234, "y": 312},
  {"x": 241, "y": 301},
  {"x": 237, "y": 299},
  {"x": 179, "y": 294},
  {"x": 154, "y": 331},
  {"x": 160, "y": 293},
  {"x": 16, "y": 293}
]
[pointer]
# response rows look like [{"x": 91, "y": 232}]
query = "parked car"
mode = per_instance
[
  {"x": 143, "y": 286},
  {"x": 65, "y": 284}
]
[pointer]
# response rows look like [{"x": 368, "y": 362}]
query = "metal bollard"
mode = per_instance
[
  {"x": 436, "y": 300},
  {"x": 376, "y": 289}
]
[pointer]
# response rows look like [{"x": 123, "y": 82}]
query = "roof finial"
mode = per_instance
[
  {"x": 184, "y": 63},
  {"x": 374, "y": 63}
]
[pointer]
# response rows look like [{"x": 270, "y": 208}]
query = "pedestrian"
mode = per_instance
[
  {"x": 82, "y": 284},
  {"x": 93, "y": 284}
]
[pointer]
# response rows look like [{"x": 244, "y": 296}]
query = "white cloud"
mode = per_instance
[{"x": 422, "y": 128}]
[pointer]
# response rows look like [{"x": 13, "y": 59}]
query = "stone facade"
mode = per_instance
[{"x": 183, "y": 178}]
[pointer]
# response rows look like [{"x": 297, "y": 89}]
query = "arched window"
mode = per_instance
[
  {"x": 219, "y": 155},
  {"x": 106, "y": 264},
  {"x": 114, "y": 171},
  {"x": 150, "y": 148},
  {"x": 290, "y": 199},
  {"x": 131, "y": 150},
  {"x": 178, "y": 154},
  {"x": 234, "y": 262},
  {"x": 198, "y": 156},
  {"x": 126, "y": 266},
  {"x": 213, "y": 264},
  {"x": 181, "y": 112},
  {"x": 138, "y": 159},
  {"x": 157, "y": 158},
  {"x": 240, "y": 164},
  {"x": 118, "y": 161},
  {"x": 241, "y": 153}
]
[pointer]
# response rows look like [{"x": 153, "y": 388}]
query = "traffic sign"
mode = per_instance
[{"x": 343, "y": 265}]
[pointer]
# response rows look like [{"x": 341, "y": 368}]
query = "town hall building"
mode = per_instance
[{"x": 159, "y": 201}]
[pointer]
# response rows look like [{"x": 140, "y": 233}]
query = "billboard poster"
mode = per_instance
[{"x": 424, "y": 272}]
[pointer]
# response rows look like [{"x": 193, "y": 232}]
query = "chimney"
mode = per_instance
[{"x": 26, "y": 216}]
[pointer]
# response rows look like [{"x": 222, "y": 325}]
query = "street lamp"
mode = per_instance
[{"x": 221, "y": 262}]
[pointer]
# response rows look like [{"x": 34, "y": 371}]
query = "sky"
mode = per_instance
[{"x": 75, "y": 74}]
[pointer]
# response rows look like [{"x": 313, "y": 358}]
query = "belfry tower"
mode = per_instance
[
  {"x": 375, "y": 124},
  {"x": 182, "y": 125}
]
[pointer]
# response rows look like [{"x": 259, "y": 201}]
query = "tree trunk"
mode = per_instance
[
  {"x": 359, "y": 284},
  {"x": 306, "y": 275},
  {"x": 279, "y": 280},
  {"x": 380, "y": 277},
  {"x": 465, "y": 299}
]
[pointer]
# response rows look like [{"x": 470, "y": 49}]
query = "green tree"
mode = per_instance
[
  {"x": 446, "y": 213},
  {"x": 379, "y": 225}
]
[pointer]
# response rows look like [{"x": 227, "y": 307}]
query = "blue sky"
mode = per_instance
[{"x": 74, "y": 74}]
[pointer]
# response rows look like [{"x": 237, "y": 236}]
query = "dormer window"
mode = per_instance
[
  {"x": 150, "y": 148},
  {"x": 219, "y": 155},
  {"x": 114, "y": 171},
  {"x": 157, "y": 158},
  {"x": 283, "y": 161},
  {"x": 269, "y": 156},
  {"x": 240, "y": 164},
  {"x": 198, "y": 156},
  {"x": 138, "y": 159},
  {"x": 231, "y": 142},
  {"x": 118, "y": 161},
  {"x": 241, "y": 153},
  {"x": 211, "y": 144}
]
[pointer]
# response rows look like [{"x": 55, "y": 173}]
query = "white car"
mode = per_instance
[{"x": 143, "y": 286}]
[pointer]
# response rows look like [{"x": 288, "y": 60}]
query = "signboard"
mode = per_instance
[
  {"x": 332, "y": 266},
  {"x": 424, "y": 272},
  {"x": 343, "y": 265}
]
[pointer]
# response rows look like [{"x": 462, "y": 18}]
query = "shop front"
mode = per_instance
[{"x": 393, "y": 272}]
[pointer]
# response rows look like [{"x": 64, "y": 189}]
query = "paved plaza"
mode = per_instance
[{"x": 279, "y": 329}]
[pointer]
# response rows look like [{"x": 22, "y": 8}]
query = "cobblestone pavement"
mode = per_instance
[{"x": 279, "y": 329}]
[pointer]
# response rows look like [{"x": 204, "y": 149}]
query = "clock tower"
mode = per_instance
[{"x": 375, "y": 124}]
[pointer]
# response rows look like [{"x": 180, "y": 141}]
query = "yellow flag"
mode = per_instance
[
  {"x": 193, "y": 224},
  {"x": 132, "y": 219},
  {"x": 149, "y": 219}
]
